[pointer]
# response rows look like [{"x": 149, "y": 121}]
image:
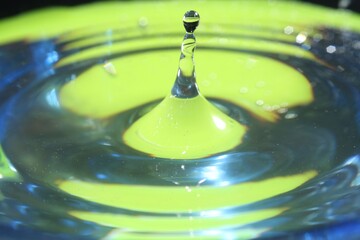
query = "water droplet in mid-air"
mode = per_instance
[
  {"x": 110, "y": 68},
  {"x": 191, "y": 20}
]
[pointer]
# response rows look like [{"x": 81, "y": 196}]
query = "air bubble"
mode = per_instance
[
  {"x": 290, "y": 115},
  {"x": 288, "y": 30},
  {"x": 260, "y": 102},
  {"x": 244, "y": 90},
  {"x": 143, "y": 22},
  {"x": 109, "y": 68},
  {"x": 331, "y": 49},
  {"x": 301, "y": 37}
]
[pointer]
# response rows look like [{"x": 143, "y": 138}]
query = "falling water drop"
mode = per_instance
[{"x": 110, "y": 68}]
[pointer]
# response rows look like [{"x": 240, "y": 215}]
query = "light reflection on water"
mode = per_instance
[{"x": 48, "y": 145}]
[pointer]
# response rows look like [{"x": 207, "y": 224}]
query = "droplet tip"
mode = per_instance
[{"x": 191, "y": 20}]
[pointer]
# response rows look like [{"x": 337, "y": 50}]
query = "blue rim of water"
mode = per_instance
[{"x": 349, "y": 229}]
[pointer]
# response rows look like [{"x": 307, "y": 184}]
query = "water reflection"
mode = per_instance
[{"x": 299, "y": 171}]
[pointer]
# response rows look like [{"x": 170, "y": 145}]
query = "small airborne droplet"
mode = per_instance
[
  {"x": 244, "y": 90},
  {"x": 143, "y": 22},
  {"x": 301, "y": 37},
  {"x": 259, "y": 102},
  {"x": 331, "y": 49},
  {"x": 288, "y": 30},
  {"x": 110, "y": 68}
]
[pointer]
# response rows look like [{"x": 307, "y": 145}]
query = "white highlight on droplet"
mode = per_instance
[
  {"x": 219, "y": 123},
  {"x": 331, "y": 49},
  {"x": 344, "y": 3},
  {"x": 288, "y": 30},
  {"x": 201, "y": 182},
  {"x": 290, "y": 115},
  {"x": 244, "y": 90},
  {"x": 52, "y": 99},
  {"x": 110, "y": 68},
  {"x": 211, "y": 173},
  {"x": 260, "y": 102},
  {"x": 143, "y": 22},
  {"x": 301, "y": 37}
]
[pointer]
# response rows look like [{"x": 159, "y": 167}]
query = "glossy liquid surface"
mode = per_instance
[{"x": 66, "y": 101}]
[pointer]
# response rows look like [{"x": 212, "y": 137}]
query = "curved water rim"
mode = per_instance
[{"x": 50, "y": 22}]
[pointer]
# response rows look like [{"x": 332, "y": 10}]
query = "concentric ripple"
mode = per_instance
[{"x": 66, "y": 101}]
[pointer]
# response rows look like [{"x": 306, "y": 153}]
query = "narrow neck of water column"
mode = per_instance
[{"x": 185, "y": 84}]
